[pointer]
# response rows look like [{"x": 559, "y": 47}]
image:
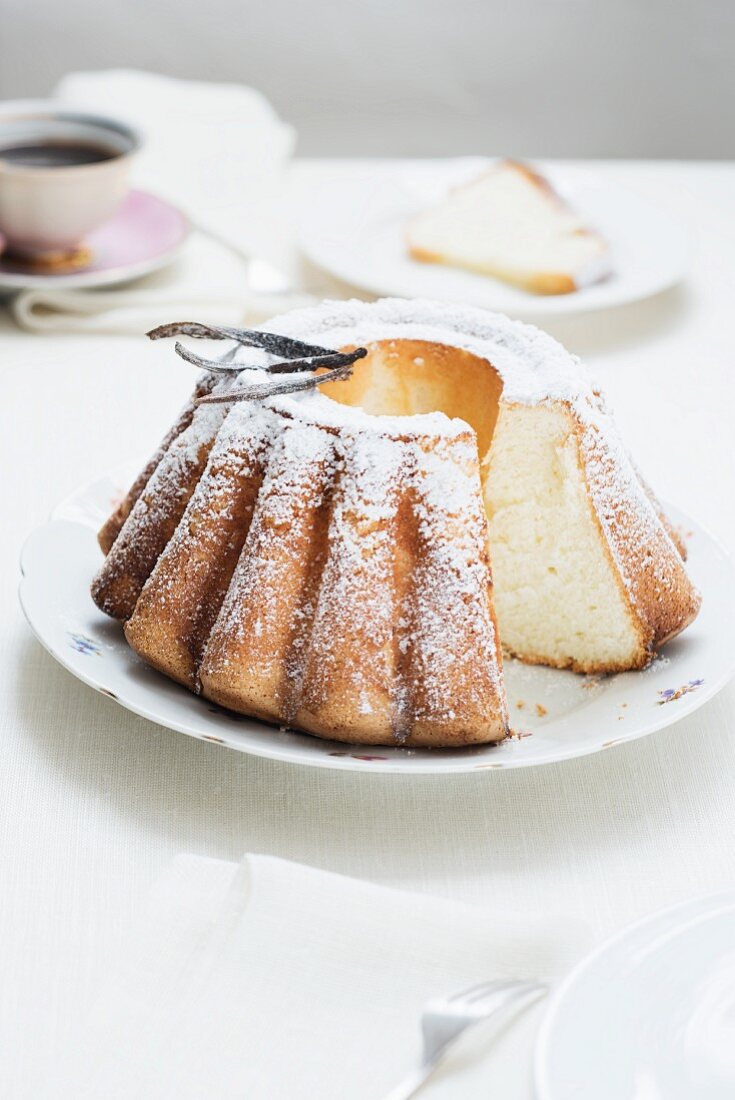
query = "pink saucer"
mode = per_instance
[{"x": 145, "y": 234}]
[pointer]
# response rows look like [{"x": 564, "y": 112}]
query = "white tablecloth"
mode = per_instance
[{"x": 95, "y": 801}]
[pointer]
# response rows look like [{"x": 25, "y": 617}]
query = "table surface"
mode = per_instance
[{"x": 95, "y": 801}]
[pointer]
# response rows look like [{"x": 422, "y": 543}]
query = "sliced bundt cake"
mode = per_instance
[{"x": 322, "y": 559}]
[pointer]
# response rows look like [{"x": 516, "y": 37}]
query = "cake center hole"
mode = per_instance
[{"x": 407, "y": 377}]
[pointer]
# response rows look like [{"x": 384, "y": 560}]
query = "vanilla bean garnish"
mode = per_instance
[
  {"x": 274, "y": 389},
  {"x": 250, "y": 338},
  {"x": 317, "y": 362},
  {"x": 290, "y": 366},
  {"x": 216, "y": 366},
  {"x": 334, "y": 365}
]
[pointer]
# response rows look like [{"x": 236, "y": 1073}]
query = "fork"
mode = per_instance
[{"x": 444, "y": 1019}]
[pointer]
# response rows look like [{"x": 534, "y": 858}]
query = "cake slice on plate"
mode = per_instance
[{"x": 510, "y": 223}]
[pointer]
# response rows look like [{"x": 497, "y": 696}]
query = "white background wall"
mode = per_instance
[{"x": 525, "y": 77}]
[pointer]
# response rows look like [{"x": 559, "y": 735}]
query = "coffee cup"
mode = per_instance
[{"x": 62, "y": 174}]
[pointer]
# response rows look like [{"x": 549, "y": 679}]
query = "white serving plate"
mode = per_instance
[
  {"x": 650, "y": 1015},
  {"x": 562, "y": 716},
  {"x": 353, "y": 226}
]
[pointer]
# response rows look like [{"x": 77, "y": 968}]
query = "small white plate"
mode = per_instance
[
  {"x": 650, "y": 1015},
  {"x": 353, "y": 226},
  {"x": 556, "y": 715}
]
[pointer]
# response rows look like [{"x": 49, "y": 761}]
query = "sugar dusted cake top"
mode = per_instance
[{"x": 531, "y": 364}]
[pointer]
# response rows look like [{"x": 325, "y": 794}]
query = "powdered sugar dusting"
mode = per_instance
[
  {"x": 329, "y": 603},
  {"x": 454, "y": 641},
  {"x": 533, "y": 366},
  {"x": 156, "y": 513},
  {"x": 648, "y": 563}
]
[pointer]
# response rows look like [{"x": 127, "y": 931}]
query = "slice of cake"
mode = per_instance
[{"x": 510, "y": 223}]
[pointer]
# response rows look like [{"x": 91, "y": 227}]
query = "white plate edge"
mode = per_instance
[
  {"x": 418, "y": 767},
  {"x": 721, "y": 900}
]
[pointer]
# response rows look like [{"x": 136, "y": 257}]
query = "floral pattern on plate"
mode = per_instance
[
  {"x": 670, "y": 695},
  {"x": 82, "y": 643}
]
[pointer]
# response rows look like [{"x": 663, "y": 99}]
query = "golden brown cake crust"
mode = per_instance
[
  {"x": 542, "y": 282},
  {"x": 648, "y": 565},
  {"x": 339, "y": 618},
  {"x": 112, "y": 527},
  {"x": 176, "y": 610}
]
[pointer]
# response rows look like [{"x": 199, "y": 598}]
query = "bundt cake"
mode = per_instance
[
  {"x": 511, "y": 224},
  {"x": 322, "y": 560}
]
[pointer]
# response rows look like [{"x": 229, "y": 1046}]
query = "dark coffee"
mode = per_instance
[{"x": 55, "y": 154}]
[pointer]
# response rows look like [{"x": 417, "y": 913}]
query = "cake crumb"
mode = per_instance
[
  {"x": 541, "y": 711},
  {"x": 520, "y": 704}
]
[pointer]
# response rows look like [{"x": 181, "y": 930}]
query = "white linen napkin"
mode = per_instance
[
  {"x": 218, "y": 152},
  {"x": 270, "y": 980},
  {"x": 205, "y": 283}
]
